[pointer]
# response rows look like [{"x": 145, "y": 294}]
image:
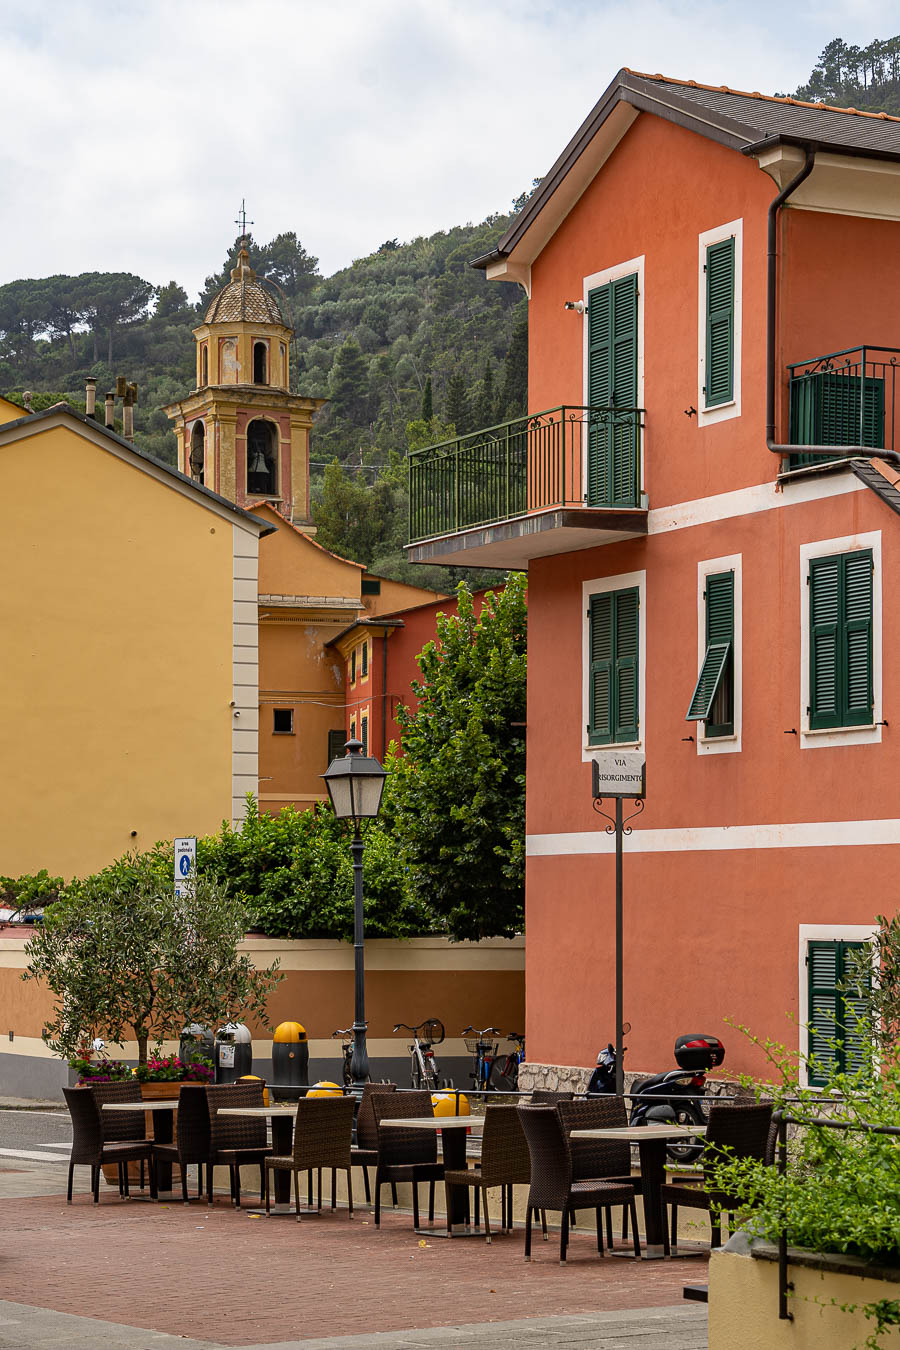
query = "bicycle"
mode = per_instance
[
  {"x": 347, "y": 1052},
  {"x": 483, "y": 1052},
  {"x": 505, "y": 1071},
  {"x": 423, "y": 1065}
]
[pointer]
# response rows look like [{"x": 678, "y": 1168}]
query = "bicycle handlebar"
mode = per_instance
[
  {"x": 435, "y": 1025},
  {"x": 488, "y": 1031},
  {"x": 339, "y": 1032}
]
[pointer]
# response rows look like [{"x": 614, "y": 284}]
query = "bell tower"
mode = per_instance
[{"x": 242, "y": 432}]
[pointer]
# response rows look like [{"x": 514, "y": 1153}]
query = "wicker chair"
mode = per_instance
[
  {"x": 236, "y": 1141},
  {"x": 742, "y": 1131},
  {"x": 122, "y": 1126},
  {"x": 405, "y": 1155},
  {"x": 323, "y": 1131},
  {"x": 91, "y": 1146},
  {"x": 192, "y": 1138},
  {"x": 504, "y": 1162},
  {"x": 553, "y": 1185},
  {"x": 365, "y": 1151},
  {"x": 606, "y": 1158},
  {"x": 549, "y": 1097}
]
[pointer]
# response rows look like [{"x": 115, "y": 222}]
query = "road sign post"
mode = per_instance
[
  {"x": 185, "y": 866},
  {"x": 619, "y": 774}
]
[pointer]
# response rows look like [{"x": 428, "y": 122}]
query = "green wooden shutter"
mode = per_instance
[
  {"x": 834, "y": 1009},
  {"x": 824, "y": 628},
  {"x": 364, "y": 737},
  {"x": 614, "y": 677},
  {"x": 713, "y": 697},
  {"x": 720, "y": 322},
  {"x": 601, "y": 672},
  {"x": 711, "y": 672},
  {"x": 840, "y": 639},
  {"x": 336, "y": 742},
  {"x": 626, "y": 668},
  {"x": 612, "y": 383},
  {"x": 599, "y": 478}
]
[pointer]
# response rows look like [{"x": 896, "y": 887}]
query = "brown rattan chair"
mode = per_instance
[
  {"x": 192, "y": 1137},
  {"x": 91, "y": 1146},
  {"x": 609, "y": 1159},
  {"x": 549, "y": 1097},
  {"x": 734, "y": 1131},
  {"x": 504, "y": 1162},
  {"x": 365, "y": 1151},
  {"x": 323, "y": 1131},
  {"x": 122, "y": 1126},
  {"x": 236, "y": 1141},
  {"x": 553, "y": 1185},
  {"x": 405, "y": 1155}
]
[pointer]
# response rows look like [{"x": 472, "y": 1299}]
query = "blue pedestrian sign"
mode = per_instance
[{"x": 185, "y": 865}]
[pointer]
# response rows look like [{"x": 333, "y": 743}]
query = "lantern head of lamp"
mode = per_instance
[{"x": 355, "y": 783}]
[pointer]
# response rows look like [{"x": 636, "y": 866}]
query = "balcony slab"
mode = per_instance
[{"x": 513, "y": 543}]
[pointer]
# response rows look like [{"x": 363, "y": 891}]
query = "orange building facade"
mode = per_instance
[{"x": 725, "y": 610}]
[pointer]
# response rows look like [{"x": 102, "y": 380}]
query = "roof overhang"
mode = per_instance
[
  {"x": 841, "y": 184},
  {"x": 514, "y": 543}
]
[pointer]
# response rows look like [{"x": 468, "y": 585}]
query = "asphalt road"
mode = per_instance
[{"x": 48, "y": 1134}]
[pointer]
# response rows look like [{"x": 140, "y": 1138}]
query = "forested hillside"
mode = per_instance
[
  {"x": 407, "y": 343},
  {"x": 867, "y": 78}
]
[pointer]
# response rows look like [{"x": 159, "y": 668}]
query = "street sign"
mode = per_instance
[
  {"x": 619, "y": 773},
  {"x": 185, "y": 865}
]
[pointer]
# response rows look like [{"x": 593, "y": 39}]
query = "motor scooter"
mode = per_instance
[{"x": 668, "y": 1097}]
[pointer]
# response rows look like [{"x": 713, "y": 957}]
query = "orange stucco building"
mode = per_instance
[{"x": 724, "y": 610}]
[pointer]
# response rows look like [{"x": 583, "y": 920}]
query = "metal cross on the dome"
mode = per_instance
[{"x": 242, "y": 219}]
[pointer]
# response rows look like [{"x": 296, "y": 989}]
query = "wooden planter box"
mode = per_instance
[
  {"x": 149, "y": 1092},
  {"x": 743, "y": 1293}
]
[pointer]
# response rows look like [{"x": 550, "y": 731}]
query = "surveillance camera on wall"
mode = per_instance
[{"x": 577, "y": 305}]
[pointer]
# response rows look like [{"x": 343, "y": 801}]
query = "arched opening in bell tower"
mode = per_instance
[
  {"x": 204, "y": 366},
  {"x": 260, "y": 355},
  {"x": 262, "y": 459},
  {"x": 197, "y": 461}
]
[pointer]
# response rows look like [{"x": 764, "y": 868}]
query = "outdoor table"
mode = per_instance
[
  {"x": 651, "y": 1141},
  {"x": 282, "y": 1118},
  {"x": 453, "y": 1131},
  {"x": 163, "y": 1118}
]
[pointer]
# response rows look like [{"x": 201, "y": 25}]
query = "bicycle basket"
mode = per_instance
[
  {"x": 476, "y": 1046},
  {"x": 433, "y": 1030}
]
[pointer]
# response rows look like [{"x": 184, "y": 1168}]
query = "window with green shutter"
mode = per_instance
[
  {"x": 614, "y": 676},
  {"x": 835, "y": 1006},
  {"x": 612, "y": 315},
  {"x": 840, "y": 640},
  {"x": 713, "y": 699},
  {"x": 719, "y": 387},
  {"x": 825, "y": 409}
]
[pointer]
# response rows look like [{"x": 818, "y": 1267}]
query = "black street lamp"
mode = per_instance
[{"x": 355, "y": 783}]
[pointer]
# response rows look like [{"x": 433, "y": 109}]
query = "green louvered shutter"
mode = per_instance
[
  {"x": 626, "y": 667},
  {"x": 835, "y": 1041},
  {"x": 601, "y": 672},
  {"x": 824, "y": 633},
  {"x": 612, "y": 383},
  {"x": 713, "y": 697},
  {"x": 720, "y": 322},
  {"x": 856, "y": 703}
]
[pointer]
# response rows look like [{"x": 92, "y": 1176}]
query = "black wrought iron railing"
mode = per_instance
[
  {"x": 567, "y": 456},
  {"x": 844, "y": 399}
]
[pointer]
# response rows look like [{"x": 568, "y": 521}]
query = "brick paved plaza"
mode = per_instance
[{"x": 224, "y": 1278}]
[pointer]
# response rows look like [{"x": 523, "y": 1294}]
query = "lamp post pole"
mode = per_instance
[{"x": 359, "y": 1062}]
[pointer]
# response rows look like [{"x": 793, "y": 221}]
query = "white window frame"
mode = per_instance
[
  {"x": 820, "y": 932},
  {"x": 722, "y": 412},
  {"x": 723, "y": 745},
  {"x": 601, "y": 586},
  {"x": 590, "y": 283},
  {"x": 835, "y": 736}
]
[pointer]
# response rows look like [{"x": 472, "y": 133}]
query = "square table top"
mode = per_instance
[
  {"x": 439, "y": 1122},
  {"x": 151, "y": 1104},
  {"x": 635, "y": 1133},
  {"x": 273, "y": 1110}
]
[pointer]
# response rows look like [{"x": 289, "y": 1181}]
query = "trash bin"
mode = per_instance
[
  {"x": 233, "y": 1052},
  {"x": 290, "y": 1060},
  {"x": 197, "y": 1042}
]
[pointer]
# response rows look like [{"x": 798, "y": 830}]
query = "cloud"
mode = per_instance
[{"x": 132, "y": 131}]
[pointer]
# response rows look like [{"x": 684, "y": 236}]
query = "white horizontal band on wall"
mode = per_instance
[{"x": 721, "y": 838}]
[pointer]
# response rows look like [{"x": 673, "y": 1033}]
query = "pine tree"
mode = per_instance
[
  {"x": 456, "y": 406},
  {"x": 349, "y": 383},
  {"x": 486, "y": 400},
  {"x": 514, "y": 399},
  {"x": 427, "y": 402}
]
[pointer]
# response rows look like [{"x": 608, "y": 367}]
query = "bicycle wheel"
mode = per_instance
[{"x": 505, "y": 1075}]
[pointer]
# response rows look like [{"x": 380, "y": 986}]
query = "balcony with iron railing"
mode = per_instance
[
  {"x": 550, "y": 482},
  {"x": 847, "y": 399}
]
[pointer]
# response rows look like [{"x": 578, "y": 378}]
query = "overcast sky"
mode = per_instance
[{"x": 132, "y": 130}]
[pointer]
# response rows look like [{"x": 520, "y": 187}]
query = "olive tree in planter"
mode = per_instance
[{"x": 126, "y": 959}]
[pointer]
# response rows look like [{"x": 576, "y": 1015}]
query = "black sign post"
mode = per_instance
[{"x": 620, "y": 775}]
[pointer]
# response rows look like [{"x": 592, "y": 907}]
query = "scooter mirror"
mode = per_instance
[{"x": 626, "y": 1027}]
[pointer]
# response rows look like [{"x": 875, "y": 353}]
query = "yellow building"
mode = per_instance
[
  {"x": 129, "y": 679},
  {"x": 242, "y": 432}
]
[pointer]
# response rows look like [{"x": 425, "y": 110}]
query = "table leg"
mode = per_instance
[
  {"x": 453, "y": 1148},
  {"x": 653, "y": 1175},
  {"x": 282, "y": 1144},
  {"x": 162, "y": 1134}
]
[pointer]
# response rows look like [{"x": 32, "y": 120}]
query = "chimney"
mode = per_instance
[
  {"x": 128, "y": 420},
  {"x": 26, "y": 399},
  {"x": 110, "y": 408},
  {"x": 90, "y": 396}
]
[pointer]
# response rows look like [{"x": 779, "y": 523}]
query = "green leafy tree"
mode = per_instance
[
  {"x": 123, "y": 957},
  {"x": 486, "y": 414},
  {"x": 456, "y": 796},
  {"x": 514, "y": 396},
  {"x": 349, "y": 383},
  {"x": 286, "y": 262},
  {"x": 456, "y": 404}
]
